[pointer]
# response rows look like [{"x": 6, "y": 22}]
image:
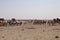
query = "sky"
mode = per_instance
[{"x": 30, "y": 9}]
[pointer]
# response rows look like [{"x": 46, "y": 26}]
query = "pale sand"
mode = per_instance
[{"x": 30, "y": 32}]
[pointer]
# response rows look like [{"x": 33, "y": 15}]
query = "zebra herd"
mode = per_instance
[{"x": 14, "y": 22}]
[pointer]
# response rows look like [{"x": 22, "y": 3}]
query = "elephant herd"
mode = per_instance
[{"x": 14, "y": 22}]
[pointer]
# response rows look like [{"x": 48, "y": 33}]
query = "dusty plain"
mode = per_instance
[{"x": 30, "y": 32}]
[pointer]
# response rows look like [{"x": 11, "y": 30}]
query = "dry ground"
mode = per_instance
[{"x": 30, "y": 32}]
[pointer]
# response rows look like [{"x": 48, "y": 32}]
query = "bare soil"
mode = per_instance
[{"x": 30, "y": 32}]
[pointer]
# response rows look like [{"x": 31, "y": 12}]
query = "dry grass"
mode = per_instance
[{"x": 39, "y": 32}]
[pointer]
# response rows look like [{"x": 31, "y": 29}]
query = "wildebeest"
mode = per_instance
[
  {"x": 11, "y": 22},
  {"x": 14, "y": 23},
  {"x": 2, "y": 22},
  {"x": 19, "y": 23},
  {"x": 50, "y": 22},
  {"x": 57, "y": 20},
  {"x": 1, "y": 19},
  {"x": 39, "y": 22},
  {"x": 36, "y": 22}
]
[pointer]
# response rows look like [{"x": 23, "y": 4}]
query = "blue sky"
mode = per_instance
[{"x": 30, "y": 9}]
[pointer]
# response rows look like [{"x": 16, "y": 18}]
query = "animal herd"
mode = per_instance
[
  {"x": 14, "y": 22},
  {"x": 11, "y": 22},
  {"x": 48, "y": 22}
]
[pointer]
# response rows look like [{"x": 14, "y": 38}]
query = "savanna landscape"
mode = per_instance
[
  {"x": 29, "y": 29},
  {"x": 29, "y": 19}
]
